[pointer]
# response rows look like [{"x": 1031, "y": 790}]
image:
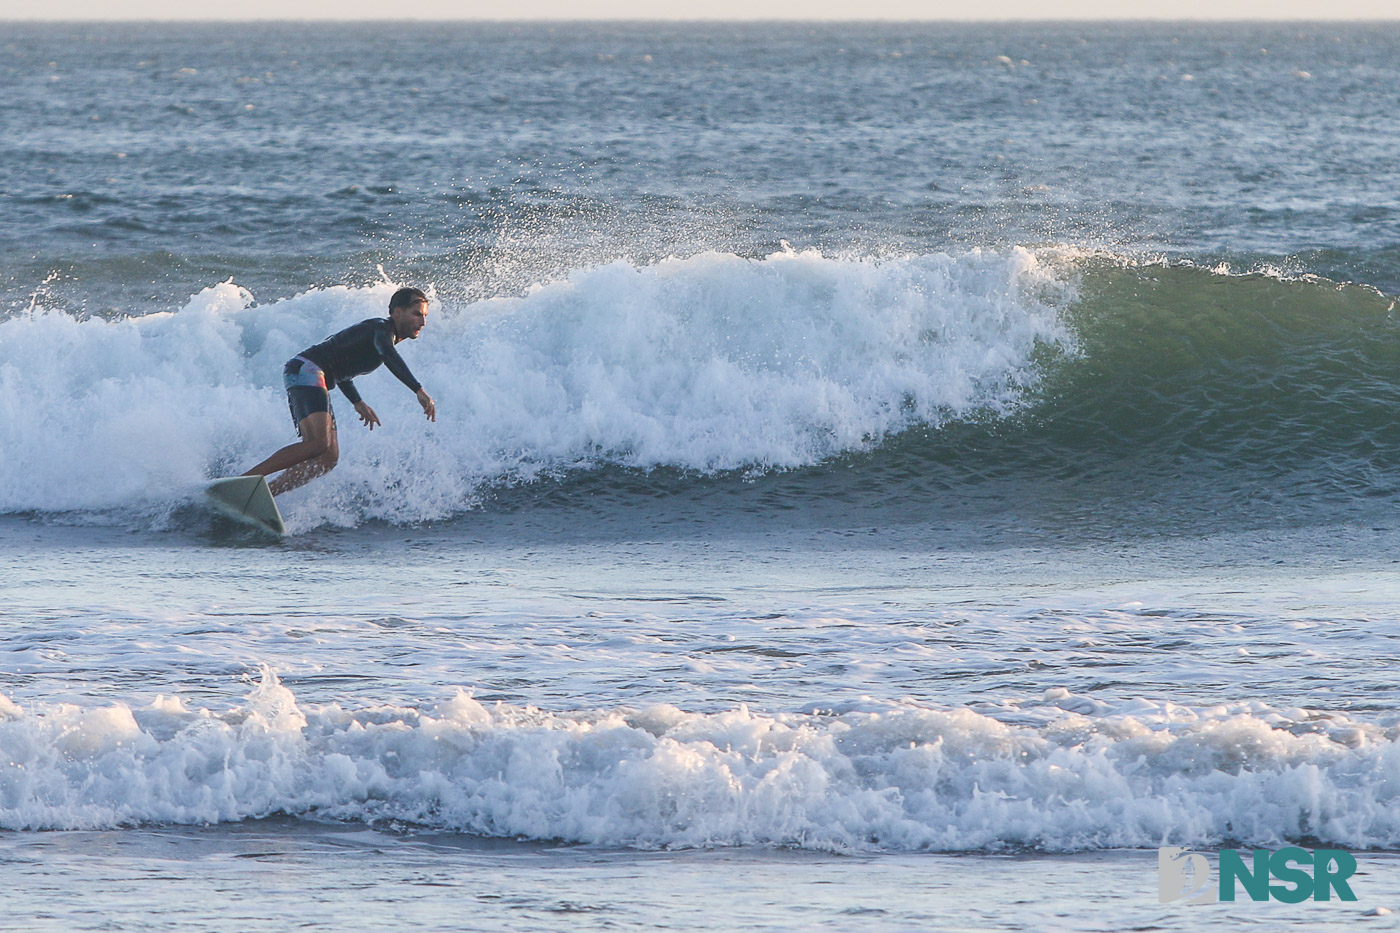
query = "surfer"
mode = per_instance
[{"x": 335, "y": 361}]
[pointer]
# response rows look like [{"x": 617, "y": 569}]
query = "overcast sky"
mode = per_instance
[{"x": 709, "y": 9}]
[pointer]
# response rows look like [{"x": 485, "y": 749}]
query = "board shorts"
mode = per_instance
[{"x": 306, "y": 390}]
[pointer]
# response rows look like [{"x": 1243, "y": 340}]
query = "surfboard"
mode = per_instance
[{"x": 246, "y": 499}]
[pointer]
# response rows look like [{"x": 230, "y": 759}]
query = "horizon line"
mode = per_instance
[{"x": 1222, "y": 20}]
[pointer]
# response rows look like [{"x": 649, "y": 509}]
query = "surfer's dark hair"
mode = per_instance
[{"x": 406, "y": 298}]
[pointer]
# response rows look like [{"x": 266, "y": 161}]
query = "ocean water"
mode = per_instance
[{"x": 886, "y": 476}]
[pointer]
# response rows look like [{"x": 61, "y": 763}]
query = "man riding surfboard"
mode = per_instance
[{"x": 336, "y": 361}]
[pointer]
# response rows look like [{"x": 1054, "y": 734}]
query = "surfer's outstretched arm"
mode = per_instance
[{"x": 429, "y": 406}]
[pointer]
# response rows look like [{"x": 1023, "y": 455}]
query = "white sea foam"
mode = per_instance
[
  {"x": 894, "y": 777},
  {"x": 709, "y": 363}
]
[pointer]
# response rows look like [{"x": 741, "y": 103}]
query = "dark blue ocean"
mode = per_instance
[{"x": 886, "y": 476}]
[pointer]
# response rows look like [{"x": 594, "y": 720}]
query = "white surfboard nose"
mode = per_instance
[{"x": 246, "y": 499}]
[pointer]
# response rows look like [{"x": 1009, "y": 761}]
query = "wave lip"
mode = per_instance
[
  {"x": 719, "y": 362},
  {"x": 1071, "y": 776}
]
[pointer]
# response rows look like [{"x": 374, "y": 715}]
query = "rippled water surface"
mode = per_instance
[{"x": 886, "y": 477}]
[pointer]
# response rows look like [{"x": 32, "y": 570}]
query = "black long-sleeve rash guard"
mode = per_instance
[{"x": 358, "y": 350}]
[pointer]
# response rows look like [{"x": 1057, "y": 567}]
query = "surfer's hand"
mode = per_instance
[
  {"x": 367, "y": 415},
  {"x": 429, "y": 408}
]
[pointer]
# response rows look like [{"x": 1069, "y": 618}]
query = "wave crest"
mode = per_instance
[
  {"x": 709, "y": 363},
  {"x": 1070, "y": 775}
]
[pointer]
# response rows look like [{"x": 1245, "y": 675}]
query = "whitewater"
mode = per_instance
[
  {"x": 904, "y": 778},
  {"x": 712, "y": 363}
]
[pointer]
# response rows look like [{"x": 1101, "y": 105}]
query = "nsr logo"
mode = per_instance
[{"x": 1185, "y": 874}]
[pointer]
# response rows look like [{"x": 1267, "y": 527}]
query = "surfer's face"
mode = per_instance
[{"x": 409, "y": 320}]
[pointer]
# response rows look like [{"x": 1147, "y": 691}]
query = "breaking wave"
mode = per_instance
[{"x": 1060, "y": 772}]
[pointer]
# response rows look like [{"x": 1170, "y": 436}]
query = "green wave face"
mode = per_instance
[
  {"x": 1199, "y": 396},
  {"x": 1237, "y": 371}
]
